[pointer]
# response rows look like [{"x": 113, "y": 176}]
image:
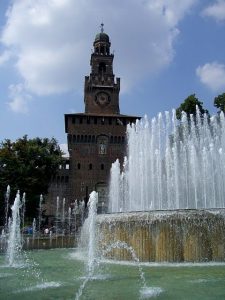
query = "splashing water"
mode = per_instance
[
  {"x": 123, "y": 245},
  {"x": 171, "y": 164}
]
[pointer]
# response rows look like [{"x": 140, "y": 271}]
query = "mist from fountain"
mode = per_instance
[{"x": 171, "y": 164}]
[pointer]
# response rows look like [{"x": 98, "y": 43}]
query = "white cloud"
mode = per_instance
[
  {"x": 4, "y": 57},
  {"x": 18, "y": 98},
  {"x": 64, "y": 148},
  {"x": 212, "y": 75},
  {"x": 216, "y": 11},
  {"x": 52, "y": 39}
]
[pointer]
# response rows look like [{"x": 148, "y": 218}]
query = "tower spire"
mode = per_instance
[{"x": 102, "y": 27}]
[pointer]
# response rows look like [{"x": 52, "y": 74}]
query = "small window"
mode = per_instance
[
  {"x": 89, "y": 139},
  {"x": 73, "y": 120},
  {"x": 66, "y": 179},
  {"x": 90, "y": 166},
  {"x": 74, "y": 139},
  {"x": 111, "y": 139},
  {"x": 78, "y": 166},
  {"x": 88, "y": 120},
  {"x": 102, "y": 167},
  {"x": 81, "y": 120},
  {"x": 110, "y": 121},
  {"x": 95, "y": 120},
  {"x": 93, "y": 139},
  {"x": 67, "y": 166},
  {"x": 69, "y": 138}
]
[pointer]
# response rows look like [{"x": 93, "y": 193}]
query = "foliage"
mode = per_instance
[
  {"x": 219, "y": 102},
  {"x": 189, "y": 106},
  {"x": 27, "y": 165}
]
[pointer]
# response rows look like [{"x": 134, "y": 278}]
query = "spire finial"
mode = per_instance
[{"x": 102, "y": 28}]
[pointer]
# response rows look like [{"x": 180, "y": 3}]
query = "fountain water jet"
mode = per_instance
[
  {"x": 89, "y": 233},
  {"x": 171, "y": 165},
  {"x": 15, "y": 239}
]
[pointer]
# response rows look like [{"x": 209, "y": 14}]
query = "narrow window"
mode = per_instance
[
  {"x": 90, "y": 166},
  {"x": 78, "y": 166},
  {"x": 102, "y": 167}
]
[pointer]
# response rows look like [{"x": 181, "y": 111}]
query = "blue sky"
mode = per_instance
[{"x": 164, "y": 51}]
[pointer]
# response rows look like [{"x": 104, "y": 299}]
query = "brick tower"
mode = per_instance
[{"x": 96, "y": 138}]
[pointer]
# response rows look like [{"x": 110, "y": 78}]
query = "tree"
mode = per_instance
[
  {"x": 189, "y": 106},
  {"x": 219, "y": 102},
  {"x": 27, "y": 165}
]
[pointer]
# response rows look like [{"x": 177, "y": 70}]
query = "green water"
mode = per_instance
[{"x": 57, "y": 274}]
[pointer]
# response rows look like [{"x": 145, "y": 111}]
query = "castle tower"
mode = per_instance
[
  {"x": 101, "y": 92},
  {"x": 96, "y": 138}
]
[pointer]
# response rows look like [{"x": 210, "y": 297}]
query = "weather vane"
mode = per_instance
[{"x": 102, "y": 27}]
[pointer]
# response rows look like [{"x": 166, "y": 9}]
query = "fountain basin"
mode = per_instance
[{"x": 170, "y": 236}]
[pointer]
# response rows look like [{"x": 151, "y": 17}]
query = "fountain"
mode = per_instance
[{"x": 170, "y": 190}]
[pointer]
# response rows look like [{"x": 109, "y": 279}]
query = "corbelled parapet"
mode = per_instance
[{"x": 170, "y": 236}]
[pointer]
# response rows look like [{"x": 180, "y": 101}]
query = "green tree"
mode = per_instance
[
  {"x": 219, "y": 102},
  {"x": 189, "y": 106},
  {"x": 27, "y": 165}
]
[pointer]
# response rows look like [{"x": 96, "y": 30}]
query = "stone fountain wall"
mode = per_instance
[{"x": 170, "y": 236}]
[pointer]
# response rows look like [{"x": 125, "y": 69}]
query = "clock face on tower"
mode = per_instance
[{"x": 102, "y": 99}]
